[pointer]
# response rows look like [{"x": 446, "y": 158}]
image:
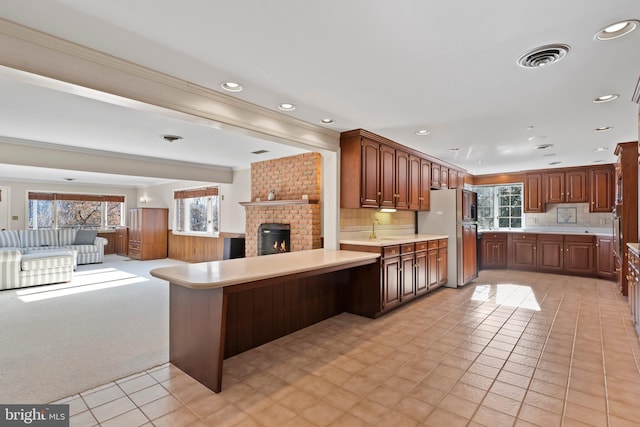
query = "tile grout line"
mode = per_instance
[{"x": 604, "y": 365}]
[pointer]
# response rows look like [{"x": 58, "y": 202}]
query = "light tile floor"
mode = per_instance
[{"x": 511, "y": 349}]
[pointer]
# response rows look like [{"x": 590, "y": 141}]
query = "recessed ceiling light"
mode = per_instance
[
  {"x": 285, "y": 106},
  {"x": 600, "y": 149},
  {"x": 423, "y": 132},
  {"x": 554, "y": 163},
  {"x": 530, "y": 127},
  {"x": 537, "y": 138},
  {"x": 616, "y": 30},
  {"x": 543, "y": 146},
  {"x": 603, "y": 128},
  {"x": 69, "y": 179},
  {"x": 549, "y": 155},
  {"x": 480, "y": 162},
  {"x": 231, "y": 86},
  {"x": 606, "y": 98},
  {"x": 171, "y": 138},
  {"x": 259, "y": 152},
  {"x": 454, "y": 149},
  {"x": 327, "y": 121}
]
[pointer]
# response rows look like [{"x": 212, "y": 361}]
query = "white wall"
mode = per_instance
[
  {"x": 232, "y": 215},
  {"x": 18, "y": 198}
]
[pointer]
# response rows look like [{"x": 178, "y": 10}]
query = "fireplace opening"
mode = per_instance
[{"x": 274, "y": 239}]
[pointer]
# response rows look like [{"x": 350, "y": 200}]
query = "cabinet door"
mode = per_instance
[
  {"x": 601, "y": 189},
  {"x": 402, "y": 180},
  {"x": 425, "y": 185},
  {"x": 533, "y": 193},
  {"x": 500, "y": 254},
  {"x": 523, "y": 251},
  {"x": 432, "y": 268},
  {"x": 550, "y": 253},
  {"x": 469, "y": 256},
  {"x": 453, "y": 179},
  {"x": 422, "y": 272},
  {"x": 370, "y": 180},
  {"x": 387, "y": 176},
  {"x": 577, "y": 186},
  {"x": 487, "y": 252},
  {"x": 391, "y": 282},
  {"x": 442, "y": 266},
  {"x": 408, "y": 277},
  {"x": 435, "y": 175},
  {"x": 444, "y": 177},
  {"x": 578, "y": 255},
  {"x": 414, "y": 183},
  {"x": 604, "y": 256},
  {"x": 554, "y": 187}
]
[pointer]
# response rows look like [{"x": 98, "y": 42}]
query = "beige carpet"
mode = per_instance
[{"x": 58, "y": 340}]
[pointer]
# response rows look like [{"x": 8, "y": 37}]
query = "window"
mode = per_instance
[
  {"x": 499, "y": 206},
  {"x": 197, "y": 211},
  {"x": 57, "y": 210}
]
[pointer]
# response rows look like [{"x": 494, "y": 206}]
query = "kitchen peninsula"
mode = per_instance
[{"x": 221, "y": 308}]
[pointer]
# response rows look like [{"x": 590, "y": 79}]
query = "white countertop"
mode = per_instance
[
  {"x": 218, "y": 274},
  {"x": 573, "y": 231},
  {"x": 387, "y": 240}
]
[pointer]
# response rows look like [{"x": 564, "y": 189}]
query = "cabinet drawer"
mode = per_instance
[
  {"x": 389, "y": 251},
  {"x": 442, "y": 243},
  {"x": 433, "y": 244},
  {"x": 495, "y": 236},
  {"x": 422, "y": 246},
  {"x": 134, "y": 246},
  {"x": 579, "y": 239},
  {"x": 407, "y": 248},
  {"x": 524, "y": 236},
  {"x": 134, "y": 253}
]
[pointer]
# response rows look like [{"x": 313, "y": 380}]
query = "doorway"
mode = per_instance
[{"x": 4, "y": 208}]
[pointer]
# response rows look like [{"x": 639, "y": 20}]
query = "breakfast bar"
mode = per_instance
[{"x": 218, "y": 309}]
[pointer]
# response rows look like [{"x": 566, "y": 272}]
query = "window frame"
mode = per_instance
[
  {"x": 33, "y": 197},
  {"x": 496, "y": 206},
  {"x": 213, "y": 208}
]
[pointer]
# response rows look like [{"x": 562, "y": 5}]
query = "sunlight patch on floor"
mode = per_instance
[
  {"x": 509, "y": 295},
  {"x": 85, "y": 281}
]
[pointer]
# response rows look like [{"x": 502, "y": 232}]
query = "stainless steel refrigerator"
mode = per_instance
[{"x": 454, "y": 213}]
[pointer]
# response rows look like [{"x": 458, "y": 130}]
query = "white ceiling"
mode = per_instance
[{"x": 389, "y": 67}]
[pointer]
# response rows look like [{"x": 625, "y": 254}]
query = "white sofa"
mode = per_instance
[{"x": 37, "y": 257}]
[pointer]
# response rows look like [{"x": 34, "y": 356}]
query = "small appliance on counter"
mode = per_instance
[{"x": 454, "y": 212}]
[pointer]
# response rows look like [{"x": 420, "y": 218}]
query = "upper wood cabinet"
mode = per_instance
[
  {"x": 533, "y": 193},
  {"x": 387, "y": 177},
  {"x": 435, "y": 175},
  {"x": 419, "y": 183},
  {"x": 566, "y": 186},
  {"x": 601, "y": 186},
  {"x": 379, "y": 173},
  {"x": 402, "y": 180}
]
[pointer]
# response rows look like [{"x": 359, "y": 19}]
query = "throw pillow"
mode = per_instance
[{"x": 85, "y": 237}]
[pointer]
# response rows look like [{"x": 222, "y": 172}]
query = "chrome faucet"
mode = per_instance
[{"x": 373, "y": 228}]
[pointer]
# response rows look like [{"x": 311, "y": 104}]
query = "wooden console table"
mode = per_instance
[{"x": 221, "y": 308}]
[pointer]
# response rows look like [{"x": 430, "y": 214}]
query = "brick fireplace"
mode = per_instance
[{"x": 292, "y": 178}]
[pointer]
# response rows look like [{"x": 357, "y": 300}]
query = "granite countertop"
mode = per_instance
[
  {"x": 218, "y": 274},
  {"x": 387, "y": 240}
]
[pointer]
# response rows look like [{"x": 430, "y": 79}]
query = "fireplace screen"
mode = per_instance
[{"x": 274, "y": 239}]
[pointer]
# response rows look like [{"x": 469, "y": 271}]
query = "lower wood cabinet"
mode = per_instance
[
  {"x": 493, "y": 250},
  {"x": 408, "y": 270},
  {"x": 110, "y": 247},
  {"x": 574, "y": 254}
]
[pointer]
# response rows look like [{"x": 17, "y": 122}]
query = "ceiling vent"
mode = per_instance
[{"x": 543, "y": 55}]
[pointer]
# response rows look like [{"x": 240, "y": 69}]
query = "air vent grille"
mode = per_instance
[{"x": 543, "y": 55}]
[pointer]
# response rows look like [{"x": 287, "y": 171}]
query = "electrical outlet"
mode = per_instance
[{"x": 14, "y": 218}]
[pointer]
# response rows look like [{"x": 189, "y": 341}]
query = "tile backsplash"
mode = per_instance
[
  {"x": 361, "y": 220},
  {"x": 584, "y": 218}
]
